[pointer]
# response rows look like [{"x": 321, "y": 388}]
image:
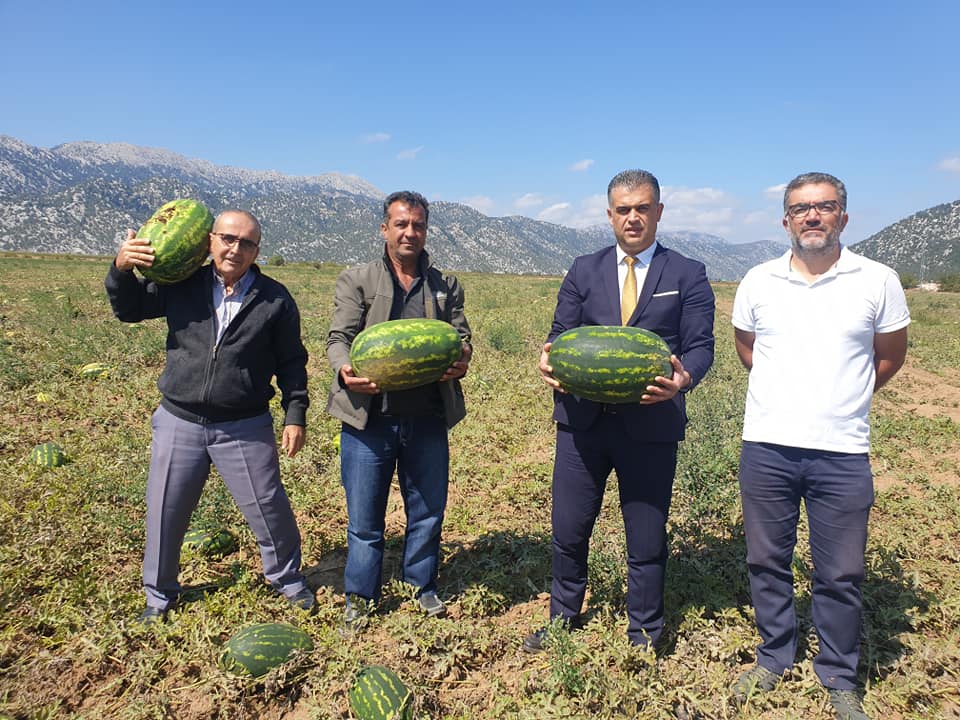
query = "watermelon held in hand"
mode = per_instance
[
  {"x": 210, "y": 543},
  {"x": 378, "y": 694},
  {"x": 179, "y": 233},
  {"x": 609, "y": 363},
  {"x": 402, "y": 354},
  {"x": 257, "y": 649},
  {"x": 48, "y": 454}
]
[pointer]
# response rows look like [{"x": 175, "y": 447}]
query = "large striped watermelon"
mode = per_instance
[
  {"x": 401, "y": 354},
  {"x": 609, "y": 363},
  {"x": 378, "y": 694},
  {"x": 179, "y": 233},
  {"x": 48, "y": 454},
  {"x": 257, "y": 649}
]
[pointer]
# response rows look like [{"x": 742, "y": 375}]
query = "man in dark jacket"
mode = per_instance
[{"x": 231, "y": 330}]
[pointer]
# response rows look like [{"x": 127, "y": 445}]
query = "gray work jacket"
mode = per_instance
[{"x": 364, "y": 297}]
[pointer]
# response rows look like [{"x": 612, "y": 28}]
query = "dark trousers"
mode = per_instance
[
  {"x": 583, "y": 462},
  {"x": 837, "y": 489}
]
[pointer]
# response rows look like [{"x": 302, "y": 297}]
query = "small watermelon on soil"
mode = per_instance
[
  {"x": 378, "y": 694},
  {"x": 48, "y": 454},
  {"x": 94, "y": 370},
  {"x": 257, "y": 649},
  {"x": 210, "y": 543},
  {"x": 179, "y": 233}
]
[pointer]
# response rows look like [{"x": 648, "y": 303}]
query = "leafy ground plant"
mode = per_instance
[{"x": 71, "y": 537}]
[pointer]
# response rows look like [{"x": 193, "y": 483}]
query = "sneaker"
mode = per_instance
[
  {"x": 432, "y": 605},
  {"x": 846, "y": 704},
  {"x": 303, "y": 600},
  {"x": 755, "y": 680},
  {"x": 355, "y": 614},
  {"x": 151, "y": 616}
]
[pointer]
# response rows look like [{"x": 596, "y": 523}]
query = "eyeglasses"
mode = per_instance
[
  {"x": 825, "y": 207},
  {"x": 231, "y": 240}
]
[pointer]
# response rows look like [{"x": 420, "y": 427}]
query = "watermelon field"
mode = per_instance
[{"x": 71, "y": 537}]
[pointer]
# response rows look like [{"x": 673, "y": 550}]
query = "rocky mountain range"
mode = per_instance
[
  {"x": 926, "y": 244},
  {"x": 80, "y": 197}
]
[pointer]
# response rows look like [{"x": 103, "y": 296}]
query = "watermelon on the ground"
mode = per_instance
[
  {"x": 378, "y": 694},
  {"x": 402, "y": 354},
  {"x": 94, "y": 370},
  {"x": 609, "y": 363},
  {"x": 257, "y": 649},
  {"x": 179, "y": 233},
  {"x": 210, "y": 543},
  {"x": 48, "y": 454}
]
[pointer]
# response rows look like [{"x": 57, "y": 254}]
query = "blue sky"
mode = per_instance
[{"x": 516, "y": 108}]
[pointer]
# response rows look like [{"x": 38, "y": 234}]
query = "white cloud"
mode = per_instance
[
  {"x": 410, "y": 154},
  {"x": 581, "y": 165},
  {"x": 706, "y": 210},
  {"x": 379, "y": 137},
  {"x": 950, "y": 164},
  {"x": 528, "y": 200},
  {"x": 555, "y": 213},
  {"x": 592, "y": 210},
  {"x": 481, "y": 203},
  {"x": 775, "y": 191}
]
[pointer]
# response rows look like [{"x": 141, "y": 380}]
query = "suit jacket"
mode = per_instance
[
  {"x": 364, "y": 297},
  {"x": 676, "y": 302}
]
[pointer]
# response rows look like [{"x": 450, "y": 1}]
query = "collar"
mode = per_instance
[
  {"x": 846, "y": 263},
  {"x": 240, "y": 287},
  {"x": 644, "y": 258}
]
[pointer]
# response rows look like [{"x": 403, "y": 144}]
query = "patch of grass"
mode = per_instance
[{"x": 71, "y": 539}]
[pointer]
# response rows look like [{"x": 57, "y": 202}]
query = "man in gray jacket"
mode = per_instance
[{"x": 403, "y": 430}]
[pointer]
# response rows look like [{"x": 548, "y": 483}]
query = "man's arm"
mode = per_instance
[
  {"x": 133, "y": 299},
  {"x": 348, "y": 311},
  {"x": 889, "y": 352},
  {"x": 291, "y": 372},
  {"x": 458, "y": 319},
  {"x": 743, "y": 339}
]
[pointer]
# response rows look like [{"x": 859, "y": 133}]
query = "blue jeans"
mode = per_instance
[
  {"x": 837, "y": 489},
  {"x": 416, "y": 447}
]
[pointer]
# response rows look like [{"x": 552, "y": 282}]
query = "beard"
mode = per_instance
[{"x": 826, "y": 245}]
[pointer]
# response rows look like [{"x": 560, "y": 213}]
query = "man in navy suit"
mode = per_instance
[{"x": 640, "y": 283}]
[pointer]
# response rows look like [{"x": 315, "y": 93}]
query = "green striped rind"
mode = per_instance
[
  {"x": 378, "y": 694},
  {"x": 179, "y": 233},
  {"x": 609, "y": 363},
  {"x": 94, "y": 370},
  {"x": 257, "y": 649},
  {"x": 48, "y": 454},
  {"x": 401, "y": 354},
  {"x": 210, "y": 543}
]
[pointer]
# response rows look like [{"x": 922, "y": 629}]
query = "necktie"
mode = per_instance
[{"x": 628, "y": 298}]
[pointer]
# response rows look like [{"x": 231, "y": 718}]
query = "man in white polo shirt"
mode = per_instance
[{"x": 820, "y": 329}]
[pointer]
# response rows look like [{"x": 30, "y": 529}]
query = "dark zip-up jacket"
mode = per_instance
[{"x": 206, "y": 381}]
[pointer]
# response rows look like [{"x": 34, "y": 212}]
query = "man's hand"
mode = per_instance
[
  {"x": 293, "y": 438},
  {"x": 357, "y": 384},
  {"x": 135, "y": 252},
  {"x": 666, "y": 388},
  {"x": 459, "y": 368},
  {"x": 546, "y": 371}
]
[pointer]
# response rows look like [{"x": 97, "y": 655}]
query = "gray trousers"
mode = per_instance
[{"x": 245, "y": 454}]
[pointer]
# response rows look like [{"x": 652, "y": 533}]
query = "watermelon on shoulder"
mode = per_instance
[
  {"x": 402, "y": 354},
  {"x": 179, "y": 233},
  {"x": 378, "y": 694},
  {"x": 257, "y": 649},
  {"x": 609, "y": 363}
]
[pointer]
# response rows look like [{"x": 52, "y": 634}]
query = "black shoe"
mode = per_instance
[
  {"x": 846, "y": 705},
  {"x": 753, "y": 682},
  {"x": 534, "y": 642},
  {"x": 355, "y": 615},
  {"x": 303, "y": 600},
  {"x": 151, "y": 616}
]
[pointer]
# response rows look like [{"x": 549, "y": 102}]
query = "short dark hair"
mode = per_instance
[
  {"x": 816, "y": 178},
  {"x": 408, "y": 198},
  {"x": 633, "y": 179}
]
